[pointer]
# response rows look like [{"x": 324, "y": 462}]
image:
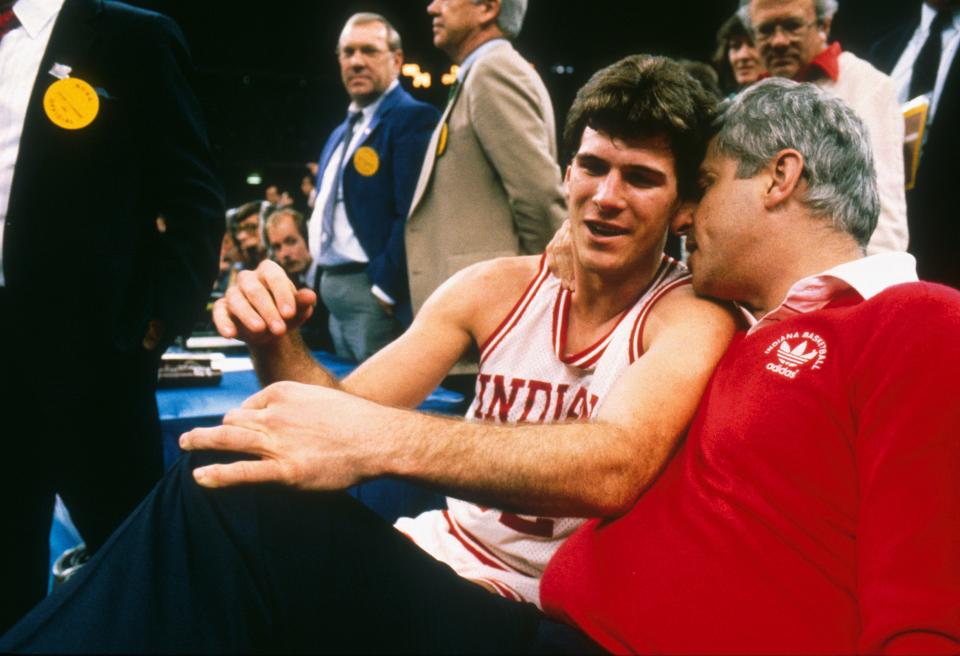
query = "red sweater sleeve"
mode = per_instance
[{"x": 908, "y": 450}]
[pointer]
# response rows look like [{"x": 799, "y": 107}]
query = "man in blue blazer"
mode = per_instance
[
  {"x": 368, "y": 171},
  {"x": 100, "y": 136}
]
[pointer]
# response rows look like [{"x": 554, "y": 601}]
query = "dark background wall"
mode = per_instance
[{"x": 270, "y": 86}]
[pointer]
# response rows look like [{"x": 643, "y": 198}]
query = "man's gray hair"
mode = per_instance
[
  {"x": 824, "y": 9},
  {"x": 510, "y": 18},
  {"x": 362, "y": 18},
  {"x": 775, "y": 114}
]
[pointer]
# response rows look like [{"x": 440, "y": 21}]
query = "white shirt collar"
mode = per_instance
[
  {"x": 868, "y": 276},
  {"x": 928, "y": 13},
  {"x": 371, "y": 109},
  {"x": 35, "y": 14},
  {"x": 477, "y": 54}
]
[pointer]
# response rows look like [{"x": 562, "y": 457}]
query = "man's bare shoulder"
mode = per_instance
[
  {"x": 681, "y": 309},
  {"x": 483, "y": 293}
]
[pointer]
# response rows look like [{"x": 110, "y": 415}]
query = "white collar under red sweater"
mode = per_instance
[{"x": 866, "y": 276}]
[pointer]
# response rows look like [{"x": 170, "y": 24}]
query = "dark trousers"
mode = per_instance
[
  {"x": 265, "y": 568},
  {"x": 77, "y": 423}
]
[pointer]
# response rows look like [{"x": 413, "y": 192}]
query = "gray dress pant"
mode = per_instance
[{"x": 358, "y": 324}]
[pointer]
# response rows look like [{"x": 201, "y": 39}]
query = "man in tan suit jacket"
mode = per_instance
[{"x": 490, "y": 185}]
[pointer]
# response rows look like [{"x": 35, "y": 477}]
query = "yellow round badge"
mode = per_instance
[
  {"x": 71, "y": 103},
  {"x": 442, "y": 141},
  {"x": 366, "y": 161}
]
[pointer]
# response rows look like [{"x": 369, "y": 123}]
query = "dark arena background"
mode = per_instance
[{"x": 270, "y": 86}]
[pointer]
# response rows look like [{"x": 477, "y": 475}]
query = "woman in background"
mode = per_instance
[{"x": 736, "y": 59}]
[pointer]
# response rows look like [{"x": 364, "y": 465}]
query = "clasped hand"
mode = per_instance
[{"x": 262, "y": 304}]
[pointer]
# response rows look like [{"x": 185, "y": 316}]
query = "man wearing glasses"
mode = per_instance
[
  {"x": 244, "y": 224},
  {"x": 792, "y": 37},
  {"x": 368, "y": 170}
]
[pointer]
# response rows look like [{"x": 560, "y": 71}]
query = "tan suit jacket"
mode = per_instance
[{"x": 494, "y": 187}]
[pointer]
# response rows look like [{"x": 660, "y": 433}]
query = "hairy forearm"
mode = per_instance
[
  {"x": 576, "y": 469},
  {"x": 287, "y": 358}
]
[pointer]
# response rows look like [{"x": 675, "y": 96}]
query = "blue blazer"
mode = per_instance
[{"x": 377, "y": 196}]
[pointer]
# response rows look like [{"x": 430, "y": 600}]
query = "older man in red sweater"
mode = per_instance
[
  {"x": 812, "y": 509},
  {"x": 814, "y": 506}
]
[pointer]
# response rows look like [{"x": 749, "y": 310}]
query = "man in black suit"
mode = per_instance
[
  {"x": 100, "y": 135},
  {"x": 921, "y": 56}
]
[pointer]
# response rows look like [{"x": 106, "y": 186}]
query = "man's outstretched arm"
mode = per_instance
[{"x": 317, "y": 438}]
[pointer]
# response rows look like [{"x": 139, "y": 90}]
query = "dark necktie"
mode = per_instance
[
  {"x": 329, "y": 209},
  {"x": 8, "y": 21},
  {"x": 924, "y": 76},
  {"x": 453, "y": 91}
]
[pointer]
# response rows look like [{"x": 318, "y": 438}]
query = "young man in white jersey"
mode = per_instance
[
  {"x": 546, "y": 355},
  {"x": 618, "y": 366}
]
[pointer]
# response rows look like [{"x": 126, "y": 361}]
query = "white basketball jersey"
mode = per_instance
[{"x": 527, "y": 376}]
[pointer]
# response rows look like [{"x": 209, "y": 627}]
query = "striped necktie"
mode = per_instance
[{"x": 329, "y": 209}]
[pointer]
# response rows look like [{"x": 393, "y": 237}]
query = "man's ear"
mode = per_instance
[
  {"x": 785, "y": 176},
  {"x": 491, "y": 9},
  {"x": 824, "y": 29}
]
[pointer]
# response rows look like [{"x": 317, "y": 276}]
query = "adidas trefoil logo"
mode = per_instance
[
  {"x": 796, "y": 352},
  {"x": 796, "y": 357}
]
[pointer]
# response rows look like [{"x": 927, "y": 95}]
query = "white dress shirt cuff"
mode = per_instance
[{"x": 379, "y": 293}]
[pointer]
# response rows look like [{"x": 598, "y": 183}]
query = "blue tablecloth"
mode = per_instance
[{"x": 182, "y": 409}]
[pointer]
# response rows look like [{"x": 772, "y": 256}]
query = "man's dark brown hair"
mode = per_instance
[{"x": 644, "y": 96}]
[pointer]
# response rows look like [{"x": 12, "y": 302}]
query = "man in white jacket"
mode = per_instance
[{"x": 792, "y": 37}]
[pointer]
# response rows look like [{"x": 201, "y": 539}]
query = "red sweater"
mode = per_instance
[{"x": 814, "y": 507}]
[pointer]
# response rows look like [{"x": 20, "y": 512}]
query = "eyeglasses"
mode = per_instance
[
  {"x": 248, "y": 227},
  {"x": 791, "y": 28}
]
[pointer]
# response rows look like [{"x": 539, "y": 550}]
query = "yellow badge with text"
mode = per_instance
[
  {"x": 442, "y": 141},
  {"x": 366, "y": 161},
  {"x": 71, "y": 103}
]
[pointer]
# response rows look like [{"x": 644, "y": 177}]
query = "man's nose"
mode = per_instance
[
  {"x": 779, "y": 39},
  {"x": 608, "y": 196},
  {"x": 356, "y": 59}
]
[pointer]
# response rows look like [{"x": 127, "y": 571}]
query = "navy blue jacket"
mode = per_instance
[
  {"x": 377, "y": 203},
  {"x": 88, "y": 199}
]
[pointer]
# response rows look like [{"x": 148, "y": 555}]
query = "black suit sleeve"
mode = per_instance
[{"x": 180, "y": 178}]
